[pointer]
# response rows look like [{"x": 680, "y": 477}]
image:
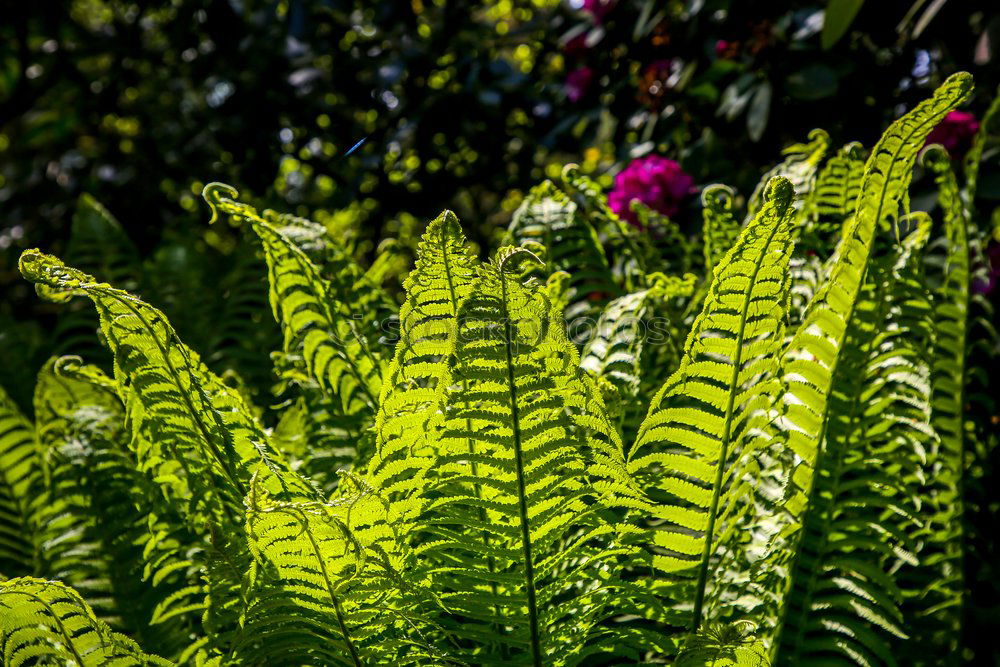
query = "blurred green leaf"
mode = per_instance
[
  {"x": 760, "y": 109},
  {"x": 838, "y": 18}
]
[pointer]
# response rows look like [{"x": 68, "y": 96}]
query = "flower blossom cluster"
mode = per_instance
[{"x": 657, "y": 182}]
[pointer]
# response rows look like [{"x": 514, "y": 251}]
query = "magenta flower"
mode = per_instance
[
  {"x": 577, "y": 83},
  {"x": 955, "y": 132},
  {"x": 726, "y": 50},
  {"x": 598, "y": 9},
  {"x": 656, "y": 181}
]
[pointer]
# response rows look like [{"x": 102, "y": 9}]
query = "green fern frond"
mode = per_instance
[
  {"x": 200, "y": 431},
  {"x": 45, "y": 622},
  {"x": 439, "y": 283},
  {"x": 347, "y": 282},
  {"x": 317, "y": 325},
  {"x": 694, "y": 448},
  {"x": 719, "y": 224},
  {"x": 864, "y": 511},
  {"x": 624, "y": 347},
  {"x": 516, "y": 524},
  {"x": 800, "y": 167},
  {"x": 549, "y": 217},
  {"x": 20, "y": 473},
  {"x": 190, "y": 432},
  {"x": 810, "y": 359},
  {"x": 326, "y": 585},
  {"x": 837, "y": 188},
  {"x": 943, "y": 585},
  {"x": 88, "y": 515}
]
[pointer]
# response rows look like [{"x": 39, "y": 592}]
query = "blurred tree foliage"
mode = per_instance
[{"x": 456, "y": 104}]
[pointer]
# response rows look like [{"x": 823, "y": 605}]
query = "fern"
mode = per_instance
[
  {"x": 810, "y": 360},
  {"x": 515, "y": 545},
  {"x": 694, "y": 450},
  {"x": 837, "y": 188},
  {"x": 315, "y": 324},
  {"x": 548, "y": 217},
  {"x": 19, "y": 473},
  {"x": 719, "y": 225},
  {"x": 782, "y": 458},
  {"x": 43, "y": 621},
  {"x": 633, "y": 350},
  {"x": 440, "y": 282},
  {"x": 863, "y": 510}
]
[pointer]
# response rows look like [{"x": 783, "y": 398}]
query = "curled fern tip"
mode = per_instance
[{"x": 215, "y": 194}]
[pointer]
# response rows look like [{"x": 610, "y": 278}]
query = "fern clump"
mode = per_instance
[{"x": 604, "y": 444}]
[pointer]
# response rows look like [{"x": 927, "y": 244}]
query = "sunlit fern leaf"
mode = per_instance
[
  {"x": 45, "y": 622},
  {"x": 837, "y": 188},
  {"x": 810, "y": 359},
  {"x": 98, "y": 245},
  {"x": 623, "y": 347},
  {"x": 719, "y": 224},
  {"x": 549, "y": 217},
  {"x": 199, "y": 429},
  {"x": 516, "y": 536},
  {"x": 89, "y": 513},
  {"x": 951, "y": 315},
  {"x": 862, "y": 518},
  {"x": 718, "y": 645},
  {"x": 694, "y": 450},
  {"x": 800, "y": 167},
  {"x": 20, "y": 472},
  {"x": 326, "y": 585},
  {"x": 337, "y": 352},
  {"x": 989, "y": 128},
  {"x": 440, "y": 281},
  {"x": 347, "y": 282},
  {"x": 190, "y": 431}
]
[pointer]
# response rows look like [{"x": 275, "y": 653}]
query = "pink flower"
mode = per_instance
[
  {"x": 598, "y": 9},
  {"x": 726, "y": 50},
  {"x": 656, "y": 181},
  {"x": 955, "y": 132},
  {"x": 577, "y": 83}
]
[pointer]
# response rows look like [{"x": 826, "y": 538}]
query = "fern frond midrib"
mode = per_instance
[
  {"x": 338, "y": 608},
  {"x": 727, "y": 429},
  {"x": 310, "y": 269},
  {"x": 477, "y": 490},
  {"x": 888, "y": 177},
  {"x": 835, "y": 475},
  {"x": 529, "y": 573},
  {"x": 226, "y": 462},
  {"x": 68, "y": 642}
]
